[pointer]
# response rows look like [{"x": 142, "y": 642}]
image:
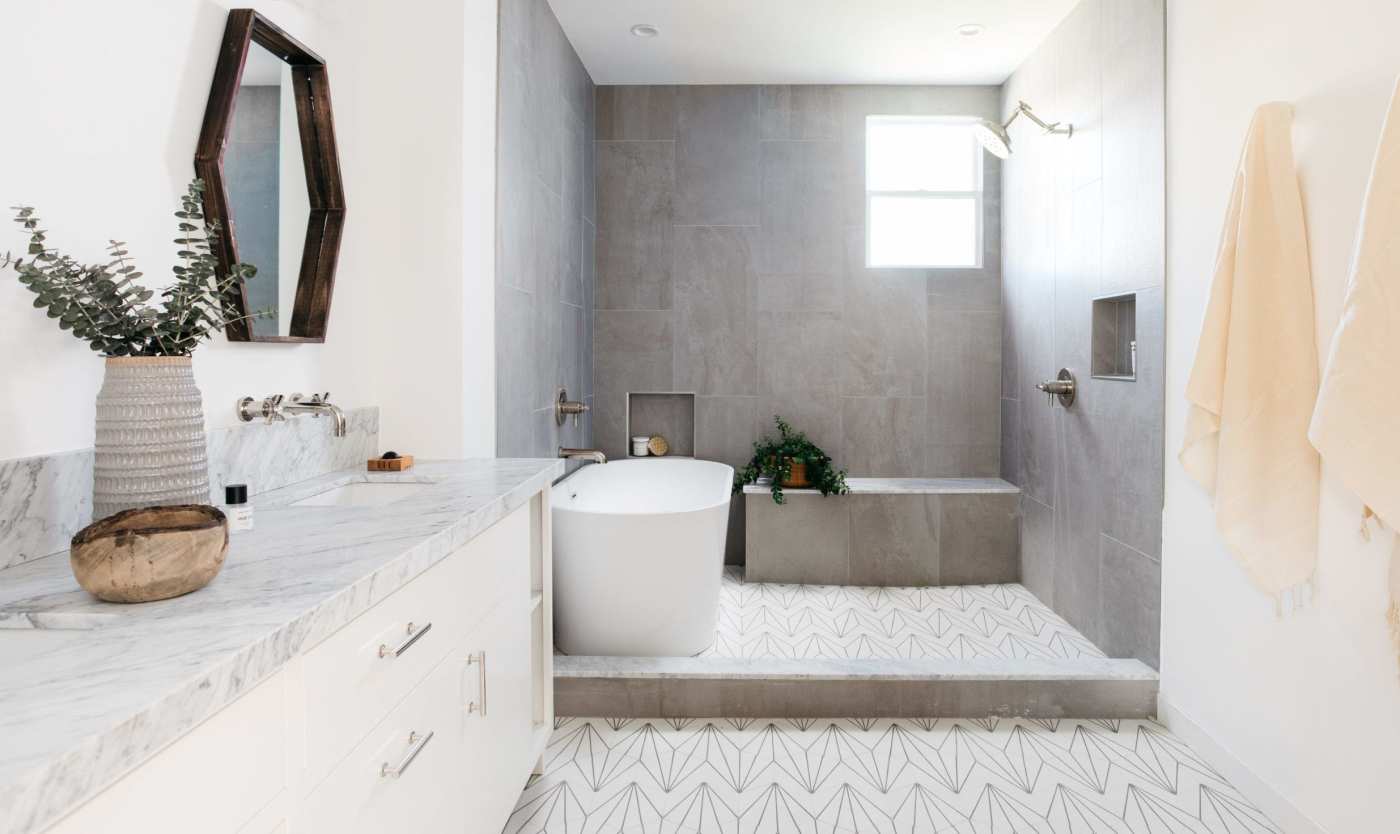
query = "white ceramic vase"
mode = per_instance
[{"x": 151, "y": 449}]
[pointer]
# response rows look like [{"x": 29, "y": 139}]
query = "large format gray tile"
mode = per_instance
[
  {"x": 515, "y": 362},
  {"x": 798, "y": 357},
  {"x": 805, "y": 540},
  {"x": 1131, "y": 599},
  {"x": 715, "y": 335},
  {"x": 1131, "y": 412},
  {"x": 632, "y": 352},
  {"x": 962, "y": 460},
  {"x": 1038, "y": 549},
  {"x": 800, "y": 216},
  {"x": 1079, "y": 497},
  {"x": 573, "y": 351},
  {"x": 636, "y": 112},
  {"x": 717, "y": 156},
  {"x": 802, "y": 292},
  {"x": 636, "y": 183},
  {"x": 964, "y": 289},
  {"x": 1134, "y": 155},
  {"x": 802, "y": 112},
  {"x": 884, "y": 326},
  {"x": 964, "y": 378},
  {"x": 979, "y": 538},
  {"x": 726, "y": 428},
  {"x": 883, "y": 436},
  {"x": 894, "y": 539}
]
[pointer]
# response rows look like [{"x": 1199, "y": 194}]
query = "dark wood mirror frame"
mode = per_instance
[{"x": 316, "y": 126}]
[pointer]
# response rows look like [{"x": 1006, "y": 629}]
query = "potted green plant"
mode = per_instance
[
  {"x": 791, "y": 461},
  {"x": 150, "y": 443}
]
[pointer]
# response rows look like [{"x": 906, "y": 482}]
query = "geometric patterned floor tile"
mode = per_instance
[
  {"x": 759, "y": 619},
  {"x": 883, "y": 776}
]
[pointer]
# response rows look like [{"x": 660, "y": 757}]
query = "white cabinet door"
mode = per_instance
[
  {"x": 498, "y": 715},
  {"x": 212, "y": 781}
]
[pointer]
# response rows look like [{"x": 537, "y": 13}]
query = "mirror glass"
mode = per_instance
[{"x": 266, "y": 183}]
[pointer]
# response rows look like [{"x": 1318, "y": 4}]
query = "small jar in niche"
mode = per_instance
[{"x": 639, "y": 446}]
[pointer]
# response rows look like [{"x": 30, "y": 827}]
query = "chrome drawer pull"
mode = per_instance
[
  {"x": 479, "y": 705},
  {"x": 416, "y": 743},
  {"x": 413, "y": 635}
]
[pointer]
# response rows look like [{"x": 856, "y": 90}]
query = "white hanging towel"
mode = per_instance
[
  {"x": 1254, "y": 381},
  {"x": 1357, "y": 423}
]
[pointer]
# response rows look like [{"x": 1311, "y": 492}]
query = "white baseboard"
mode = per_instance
[{"x": 1271, "y": 802}]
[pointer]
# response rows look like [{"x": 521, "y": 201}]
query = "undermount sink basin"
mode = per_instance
[{"x": 363, "y": 494}]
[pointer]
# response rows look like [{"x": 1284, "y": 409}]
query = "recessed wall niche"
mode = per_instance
[
  {"x": 670, "y": 415},
  {"x": 1115, "y": 338}
]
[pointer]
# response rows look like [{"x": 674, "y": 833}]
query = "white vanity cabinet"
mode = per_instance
[{"x": 431, "y": 728}]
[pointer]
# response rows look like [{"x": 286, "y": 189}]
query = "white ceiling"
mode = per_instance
[{"x": 806, "y": 41}]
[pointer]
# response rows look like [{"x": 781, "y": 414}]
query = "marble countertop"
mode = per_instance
[
  {"x": 907, "y": 486},
  {"x": 88, "y": 689}
]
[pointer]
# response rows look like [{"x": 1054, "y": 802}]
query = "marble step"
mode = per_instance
[{"x": 689, "y": 687}]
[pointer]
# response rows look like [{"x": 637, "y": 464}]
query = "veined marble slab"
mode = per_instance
[
  {"x": 268, "y": 457},
  {"x": 92, "y": 689},
  {"x": 44, "y": 500},
  {"x": 909, "y": 486},
  {"x": 852, "y": 669}
]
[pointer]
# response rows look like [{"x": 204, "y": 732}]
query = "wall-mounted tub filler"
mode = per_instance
[
  {"x": 1061, "y": 388},
  {"x": 275, "y": 408},
  {"x": 595, "y": 455},
  {"x": 996, "y": 138}
]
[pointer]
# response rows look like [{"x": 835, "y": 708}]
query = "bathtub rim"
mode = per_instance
[{"x": 558, "y": 507}]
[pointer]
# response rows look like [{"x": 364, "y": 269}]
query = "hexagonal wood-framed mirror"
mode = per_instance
[{"x": 269, "y": 118}]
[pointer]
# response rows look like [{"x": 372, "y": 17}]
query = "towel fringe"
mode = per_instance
[
  {"x": 1291, "y": 600},
  {"x": 1393, "y": 617}
]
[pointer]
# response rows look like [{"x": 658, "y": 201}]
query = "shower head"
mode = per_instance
[
  {"x": 993, "y": 138},
  {"x": 996, "y": 138}
]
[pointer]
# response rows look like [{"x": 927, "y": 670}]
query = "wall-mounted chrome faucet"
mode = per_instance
[
  {"x": 274, "y": 409},
  {"x": 594, "y": 455},
  {"x": 1061, "y": 387}
]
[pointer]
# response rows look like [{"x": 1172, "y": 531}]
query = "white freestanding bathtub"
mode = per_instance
[{"x": 638, "y": 556}]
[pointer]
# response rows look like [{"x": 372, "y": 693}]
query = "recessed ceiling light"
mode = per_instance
[
  {"x": 645, "y": 30},
  {"x": 971, "y": 30}
]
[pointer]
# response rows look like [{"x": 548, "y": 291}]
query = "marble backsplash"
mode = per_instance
[{"x": 44, "y": 500}]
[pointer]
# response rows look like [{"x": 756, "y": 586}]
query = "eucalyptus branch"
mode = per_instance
[{"x": 104, "y": 305}]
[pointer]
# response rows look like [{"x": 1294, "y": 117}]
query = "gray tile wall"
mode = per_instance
[
  {"x": 545, "y": 238},
  {"x": 731, "y": 264},
  {"x": 1083, "y": 218}
]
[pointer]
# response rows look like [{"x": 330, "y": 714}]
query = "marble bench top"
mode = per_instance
[
  {"x": 89, "y": 689},
  {"x": 909, "y": 486}
]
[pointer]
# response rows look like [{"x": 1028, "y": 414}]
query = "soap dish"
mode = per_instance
[{"x": 398, "y": 463}]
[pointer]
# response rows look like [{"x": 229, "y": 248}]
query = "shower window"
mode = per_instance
[{"x": 923, "y": 192}]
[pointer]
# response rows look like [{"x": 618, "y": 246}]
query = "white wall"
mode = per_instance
[
  {"x": 104, "y": 103},
  {"x": 1309, "y": 706}
]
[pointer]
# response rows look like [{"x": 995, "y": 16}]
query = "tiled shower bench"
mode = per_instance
[{"x": 886, "y": 531}]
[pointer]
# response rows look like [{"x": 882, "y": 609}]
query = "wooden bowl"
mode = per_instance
[{"x": 151, "y": 553}]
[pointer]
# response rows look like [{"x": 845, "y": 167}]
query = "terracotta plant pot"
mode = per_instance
[{"x": 797, "y": 477}]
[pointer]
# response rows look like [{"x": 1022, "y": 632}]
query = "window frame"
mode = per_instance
[{"x": 978, "y": 196}]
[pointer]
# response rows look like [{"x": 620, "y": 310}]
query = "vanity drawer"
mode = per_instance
[
  {"x": 406, "y": 775},
  {"x": 359, "y": 673}
]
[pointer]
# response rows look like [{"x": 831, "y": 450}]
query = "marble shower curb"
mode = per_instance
[{"x": 683, "y": 687}]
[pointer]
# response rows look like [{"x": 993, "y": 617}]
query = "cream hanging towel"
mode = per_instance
[
  {"x": 1357, "y": 423},
  {"x": 1255, "y": 378}
]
